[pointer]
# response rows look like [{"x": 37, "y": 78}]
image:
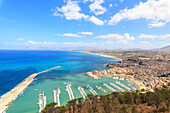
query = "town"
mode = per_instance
[{"x": 152, "y": 73}]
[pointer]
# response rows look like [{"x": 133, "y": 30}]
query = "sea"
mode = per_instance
[{"x": 16, "y": 65}]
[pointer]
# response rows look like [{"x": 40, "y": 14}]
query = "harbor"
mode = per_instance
[
  {"x": 101, "y": 89},
  {"x": 114, "y": 85},
  {"x": 42, "y": 101},
  {"x": 56, "y": 94},
  {"x": 10, "y": 96},
  {"x": 92, "y": 90},
  {"x": 113, "y": 90},
  {"x": 69, "y": 90},
  {"x": 123, "y": 85},
  {"x": 82, "y": 92}
]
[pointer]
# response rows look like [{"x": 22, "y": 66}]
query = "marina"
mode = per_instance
[
  {"x": 101, "y": 89},
  {"x": 56, "y": 94},
  {"x": 69, "y": 90},
  {"x": 82, "y": 92},
  {"x": 123, "y": 85},
  {"x": 114, "y": 85},
  {"x": 6, "y": 99},
  {"x": 42, "y": 102},
  {"x": 109, "y": 87},
  {"x": 92, "y": 90}
]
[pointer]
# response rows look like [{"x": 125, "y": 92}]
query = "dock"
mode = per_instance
[
  {"x": 92, "y": 90},
  {"x": 109, "y": 87},
  {"x": 42, "y": 101},
  {"x": 123, "y": 85},
  {"x": 82, "y": 92},
  {"x": 10, "y": 96},
  {"x": 101, "y": 89},
  {"x": 69, "y": 90},
  {"x": 114, "y": 85},
  {"x": 57, "y": 96}
]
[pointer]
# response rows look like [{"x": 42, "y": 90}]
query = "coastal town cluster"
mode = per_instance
[{"x": 152, "y": 73}]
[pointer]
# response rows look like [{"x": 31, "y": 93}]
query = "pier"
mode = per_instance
[
  {"x": 56, "y": 96},
  {"x": 123, "y": 85},
  {"x": 10, "y": 96},
  {"x": 91, "y": 90},
  {"x": 70, "y": 92},
  {"x": 114, "y": 85},
  {"x": 101, "y": 89},
  {"x": 82, "y": 92},
  {"x": 109, "y": 87},
  {"x": 42, "y": 102}
]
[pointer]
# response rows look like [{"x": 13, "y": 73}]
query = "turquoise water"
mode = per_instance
[{"x": 74, "y": 65}]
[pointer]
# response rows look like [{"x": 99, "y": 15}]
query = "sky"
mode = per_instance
[{"x": 84, "y": 24}]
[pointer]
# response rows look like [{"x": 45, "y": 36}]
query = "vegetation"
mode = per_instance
[{"x": 116, "y": 102}]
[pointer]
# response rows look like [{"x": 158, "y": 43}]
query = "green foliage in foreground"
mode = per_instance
[{"x": 106, "y": 103}]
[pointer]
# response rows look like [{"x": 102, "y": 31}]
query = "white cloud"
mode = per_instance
[
  {"x": 154, "y": 10},
  {"x": 69, "y": 35},
  {"x": 96, "y": 21},
  {"x": 110, "y": 5},
  {"x": 116, "y": 5},
  {"x": 97, "y": 8},
  {"x": 144, "y": 42},
  {"x": 145, "y": 36},
  {"x": 72, "y": 43},
  {"x": 121, "y": 1},
  {"x": 20, "y": 39},
  {"x": 86, "y": 33},
  {"x": 157, "y": 24},
  {"x": 117, "y": 37},
  {"x": 87, "y": 1},
  {"x": 6, "y": 19},
  {"x": 71, "y": 11},
  {"x": 40, "y": 43}
]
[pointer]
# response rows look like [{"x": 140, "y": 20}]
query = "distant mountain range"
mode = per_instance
[{"x": 165, "y": 49}]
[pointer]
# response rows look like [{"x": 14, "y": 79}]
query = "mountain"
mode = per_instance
[{"x": 165, "y": 49}]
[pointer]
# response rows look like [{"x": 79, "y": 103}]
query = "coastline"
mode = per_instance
[
  {"x": 7, "y": 98},
  {"x": 99, "y": 54},
  {"x": 138, "y": 83}
]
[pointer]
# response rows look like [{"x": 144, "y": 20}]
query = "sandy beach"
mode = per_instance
[
  {"x": 99, "y": 54},
  {"x": 139, "y": 83},
  {"x": 10, "y": 96}
]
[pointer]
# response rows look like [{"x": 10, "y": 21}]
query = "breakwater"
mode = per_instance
[{"x": 10, "y": 96}]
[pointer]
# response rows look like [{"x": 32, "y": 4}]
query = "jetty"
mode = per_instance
[
  {"x": 42, "y": 101},
  {"x": 114, "y": 85},
  {"x": 109, "y": 87},
  {"x": 56, "y": 96},
  {"x": 101, "y": 89},
  {"x": 92, "y": 90},
  {"x": 123, "y": 85},
  {"x": 69, "y": 90},
  {"x": 10, "y": 96},
  {"x": 82, "y": 92}
]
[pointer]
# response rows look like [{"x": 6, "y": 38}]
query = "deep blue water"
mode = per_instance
[{"x": 16, "y": 65}]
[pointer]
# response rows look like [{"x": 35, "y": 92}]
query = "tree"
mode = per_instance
[
  {"x": 157, "y": 97},
  {"x": 133, "y": 110},
  {"x": 80, "y": 105},
  {"x": 51, "y": 105},
  {"x": 123, "y": 110},
  {"x": 121, "y": 99},
  {"x": 62, "y": 109},
  {"x": 129, "y": 98}
]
